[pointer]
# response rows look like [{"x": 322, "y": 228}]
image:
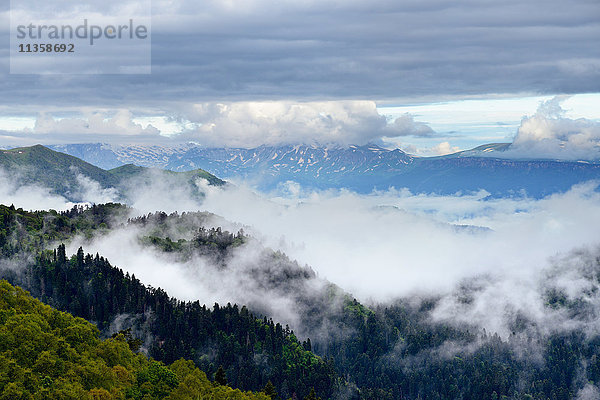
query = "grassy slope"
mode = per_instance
[
  {"x": 58, "y": 171},
  {"x": 131, "y": 171}
]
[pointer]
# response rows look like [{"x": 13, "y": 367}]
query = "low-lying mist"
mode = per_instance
[
  {"x": 395, "y": 244},
  {"x": 382, "y": 246},
  {"x": 249, "y": 275},
  {"x": 12, "y": 191}
]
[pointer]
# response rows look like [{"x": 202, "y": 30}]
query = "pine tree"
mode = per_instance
[
  {"x": 312, "y": 395},
  {"x": 270, "y": 391},
  {"x": 80, "y": 257},
  {"x": 220, "y": 376},
  {"x": 307, "y": 345}
]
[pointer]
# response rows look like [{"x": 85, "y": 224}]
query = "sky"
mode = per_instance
[{"x": 466, "y": 72}]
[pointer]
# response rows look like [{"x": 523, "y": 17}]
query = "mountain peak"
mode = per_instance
[{"x": 362, "y": 168}]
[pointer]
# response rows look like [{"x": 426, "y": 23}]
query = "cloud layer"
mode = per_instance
[
  {"x": 92, "y": 124},
  {"x": 28, "y": 197},
  {"x": 235, "y": 50},
  {"x": 234, "y": 124},
  {"x": 251, "y": 124},
  {"x": 503, "y": 253},
  {"x": 548, "y": 133}
]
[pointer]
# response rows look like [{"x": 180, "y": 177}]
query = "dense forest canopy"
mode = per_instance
[
  {"x": 49, "y": 354},
  {"x": 347, "y": 350}
]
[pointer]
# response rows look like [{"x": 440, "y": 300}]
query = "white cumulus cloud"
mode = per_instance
[
  {"x": 549, "y": 134},
  {"x": 251, "y": 124}
]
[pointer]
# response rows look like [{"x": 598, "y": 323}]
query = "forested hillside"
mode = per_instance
[
  {"x": 252, "y": 350},
  {"x": 48, "y": 354},
  {"x": 342, "y": 348}
]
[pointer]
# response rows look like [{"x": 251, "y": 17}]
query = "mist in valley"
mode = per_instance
[{"x": 505, "y": 253}]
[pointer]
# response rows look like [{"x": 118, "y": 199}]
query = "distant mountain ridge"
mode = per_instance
[
  {"x": 360, "y": 168},
  {"x": 62, "y": 173},
  {"x": 487, "y": 150}
]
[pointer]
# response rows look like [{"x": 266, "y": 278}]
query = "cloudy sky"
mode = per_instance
[{"x": 428, "y": 77}]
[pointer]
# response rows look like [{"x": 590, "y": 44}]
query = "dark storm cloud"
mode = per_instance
[{"x": 234, "y": 50}]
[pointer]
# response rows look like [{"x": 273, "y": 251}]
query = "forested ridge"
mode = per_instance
[
  {"x": 227, "y": 336},
  {"x": 391, "y": 351},
  {"x": 48, "y": 354},
  {"x": 252, "y": 350}
]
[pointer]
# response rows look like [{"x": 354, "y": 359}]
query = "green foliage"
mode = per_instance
[
  {"x": 61, "y": 172},
  {"x": 312, "y": 395},
  {"x": 129, "y": 171},
  {"x": 133, "y": 342},
  {"x": 51, "y": 169},
  {"x": 25, "y": 232},
  {"x": 353, "y": 307},
  {"x": 155, "y": 380},
  {"x": 391, "y": 352},
  {"x": 194, "y": 385},
  {"x": 270, "y": 390},
  {"x": 89, "y": 287},
  {"x": 229, "y": 336},
  {"x": 213, "y": 241},
  {"x": 48, "y": 354}
]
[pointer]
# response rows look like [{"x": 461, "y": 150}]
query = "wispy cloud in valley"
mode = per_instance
[
  {"x": 385, "y": 246},
  {"x": 28, "y": 197},
  {"x": 379, "y": 247}
]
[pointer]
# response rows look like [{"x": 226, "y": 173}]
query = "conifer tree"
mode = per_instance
[
  {"x": 270, "y": 391},
  {"x": 312, "y": 395},
  {"x": 220, "y": 376}
]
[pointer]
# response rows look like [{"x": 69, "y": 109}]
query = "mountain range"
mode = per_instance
[{"x": 359, "y": 168}]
